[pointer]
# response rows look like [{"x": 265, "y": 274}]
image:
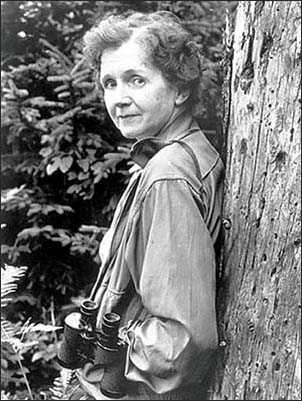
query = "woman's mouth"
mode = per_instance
[{"x": 127, "y": 117}]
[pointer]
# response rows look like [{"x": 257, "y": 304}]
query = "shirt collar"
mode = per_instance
[{"x": 144, "y": 149}]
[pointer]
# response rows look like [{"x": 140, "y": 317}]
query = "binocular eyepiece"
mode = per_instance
[
  {"x": 83, "y": 343},
  {"x": 79, "y": 336},
  {"x": 109, "y": 331},
  {"x": 110, "y": 354}
]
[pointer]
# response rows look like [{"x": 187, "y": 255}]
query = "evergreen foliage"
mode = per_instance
[{"x": 64, "y": 165}]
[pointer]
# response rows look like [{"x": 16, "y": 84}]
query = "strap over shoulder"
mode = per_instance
[{"x": 190, "y": 151}]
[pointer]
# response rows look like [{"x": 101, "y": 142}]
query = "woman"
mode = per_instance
[{"x": 158, "y": 259}]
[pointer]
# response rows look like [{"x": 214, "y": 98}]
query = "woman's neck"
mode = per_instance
[{"x": 177, "y": 124}]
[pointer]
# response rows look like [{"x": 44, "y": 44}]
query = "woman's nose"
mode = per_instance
[
  {"x": 123, "y": 101},
  {"x": 122, "y": 97}
]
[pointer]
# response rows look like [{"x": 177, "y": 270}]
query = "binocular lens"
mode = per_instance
[
  {"x": 111, "y": 318},
  {"x": 82, "y": 344},
  {"x": 89, "y": 310},
  {"x": 110, "y": 324},
  {"x": 89, "y": 307}
]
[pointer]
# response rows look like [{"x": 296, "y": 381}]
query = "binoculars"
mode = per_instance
[{"x": 83, "y": 343}]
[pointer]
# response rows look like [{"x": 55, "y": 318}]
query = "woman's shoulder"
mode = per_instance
[{"x": 191, "y": 158}]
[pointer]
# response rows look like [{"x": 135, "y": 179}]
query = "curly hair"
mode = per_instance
[{"x": 170, "y": 47}]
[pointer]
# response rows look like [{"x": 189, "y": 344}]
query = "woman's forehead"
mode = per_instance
[{"x": 129, "y": 56}]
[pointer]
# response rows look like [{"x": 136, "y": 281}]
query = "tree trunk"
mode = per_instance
[{"x": 259, "y": 302}]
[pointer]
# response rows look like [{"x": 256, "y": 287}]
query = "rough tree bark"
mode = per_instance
[{"x": 259, "y": 302}]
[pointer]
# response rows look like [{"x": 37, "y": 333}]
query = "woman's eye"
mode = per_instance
[
  {"x": 138, "y": 81},
  {"x": 109, "y": 84}
]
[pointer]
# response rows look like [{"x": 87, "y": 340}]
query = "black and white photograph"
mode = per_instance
[{"x": 151, "y": 200}]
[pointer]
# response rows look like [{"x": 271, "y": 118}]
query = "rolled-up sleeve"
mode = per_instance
[{"x": 171, "y": 259}]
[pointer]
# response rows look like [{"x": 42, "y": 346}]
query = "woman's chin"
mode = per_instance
[{"x": 131, "y": 134}]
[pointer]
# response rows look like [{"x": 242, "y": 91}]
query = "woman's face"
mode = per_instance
[{"x": 137, "y": 96}]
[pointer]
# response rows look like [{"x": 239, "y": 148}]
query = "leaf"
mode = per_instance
[
  {"x": 34, "y": 209},
  {"x": 65, "y": 163},
  {"x": 84, "y": 73},
  {"x": 62, "y": 209},
  {"x": 29, "y": 232},
  {"x": 10, "y": 194},
  {"x": 30, "y": 299},
  {"x": 45, "y": 138},
  {"x": 98, "y": 167},
  {"x": 46, "y": 152},
  {"x": 69, "y": 114},
  {"x": 91, "y": 229},
  {"x": 37, "y": 355},
  {"x": 4, "y": 365},
  {"x": 83, "y": 176},
  {"x": 10, "y": 275},
  {"x": 8, "y": 330},
  {"x": 79, "y": 64},
  {"x": 53, "y": 165},
  {"x": 64, "y": 95},
  {"x": 58, "y": 78},
  {"x": 64, "y": 59},
  {"x": 61, "y": 236},
  {"x": 74, "y": 188},
  {"x": 84, "y": 164},
  {"x": 41, "y": 102},
  {"x": 45, "y": 328},
  {"x": 72, "y": 176},
  {"x": 61, "y": 88}
]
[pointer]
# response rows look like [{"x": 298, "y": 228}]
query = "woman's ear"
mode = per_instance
[{"x": 181, "y": 96}]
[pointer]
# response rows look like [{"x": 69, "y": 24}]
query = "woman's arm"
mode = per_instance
[{"x": 171, "y": 258}]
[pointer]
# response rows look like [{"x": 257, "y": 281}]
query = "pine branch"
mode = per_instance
[{"x": 62, "y": 57}]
